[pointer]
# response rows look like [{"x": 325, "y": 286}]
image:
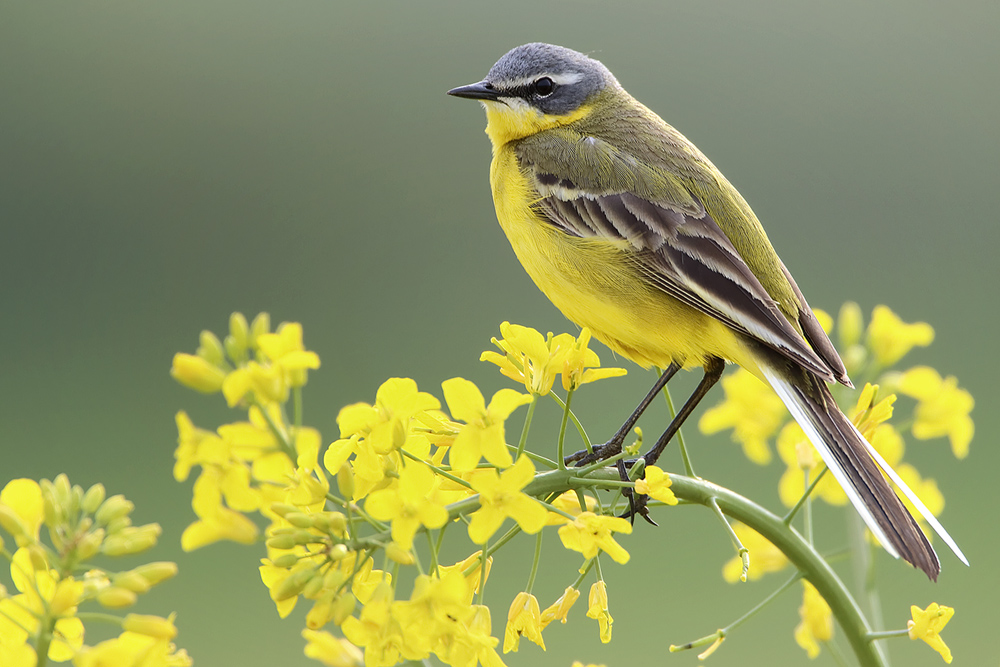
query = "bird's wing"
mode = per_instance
[{"x": 665, "y": 230}]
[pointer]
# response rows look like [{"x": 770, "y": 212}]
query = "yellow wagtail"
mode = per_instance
[{"x": 632, "y": 232}]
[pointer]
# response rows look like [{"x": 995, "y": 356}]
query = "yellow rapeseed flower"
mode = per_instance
[
  {"x": 523, "y": 619},
  {"x": 431, "y": 618},
  {"x": 581, "y": 364},
  {"x": 656, "y": 485},
  {"x": 559, "y": 609},
  {"x": 590, "y": 533},
  {"x": 131, "y": 648},
  {"x": 890, "y": 338},
  {"x": 476, "y": 645},
  {"x": 482, "y": 435},
  {"x": 378, "y": 632},
  {"x": 386, "y": 424},
  {"x": 817, "y": 621},
  {"x": 285, "y": 349},
  {"x": 529, "y": 357},
  {"x": 39, "y": 587},
  {"x": 751, "y": 409},
  {"x": 332, "y": 651},
  {"x": 22, "y": 510},
  {"x": 501, "y": 496},
  {"x": 927, "y": 625},
  {"x": 598, "y": 609},
  {"x": 407, "y": 505},
  {"x": 942, "y": 409}
]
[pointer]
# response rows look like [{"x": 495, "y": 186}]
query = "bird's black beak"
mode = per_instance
[{"x": 476, "y": 91}]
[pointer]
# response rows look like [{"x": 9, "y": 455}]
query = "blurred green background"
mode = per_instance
[{"x": 165, "y": 163}]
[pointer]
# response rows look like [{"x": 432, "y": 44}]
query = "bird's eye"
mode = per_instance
[{"x": 543, "y": 87}]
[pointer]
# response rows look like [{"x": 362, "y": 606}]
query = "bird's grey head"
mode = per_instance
[{"x": 552, "y": 79}]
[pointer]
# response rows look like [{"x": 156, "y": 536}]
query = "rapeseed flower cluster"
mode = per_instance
[
  {"x": 402, "y": 470},
  {"x": 57, "y": 578},
  {"x": 354, "y": 527}
]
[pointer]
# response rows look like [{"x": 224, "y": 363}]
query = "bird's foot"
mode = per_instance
[{"x": 584, "y": 457}]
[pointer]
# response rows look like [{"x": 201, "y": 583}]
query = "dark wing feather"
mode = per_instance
[{"x": 683, "y": 253}]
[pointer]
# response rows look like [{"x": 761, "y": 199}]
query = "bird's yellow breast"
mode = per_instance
[{"x": 595, "y": 284}]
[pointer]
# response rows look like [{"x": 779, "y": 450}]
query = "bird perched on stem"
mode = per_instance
[{"x": 632, "y": 232}]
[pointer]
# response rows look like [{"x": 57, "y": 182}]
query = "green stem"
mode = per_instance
[
  {"x": 579, "y": 427},
  {"x": 560, "y": 459},
  {"x": 688, "y": 468},
  {"x": 807, "y": 515},
  {"x": 527, "y": 425},
  {"x": 801, "y": 554},
  {"x": 886, "y": 634},
  {"x": 763, "y": 603},
  {"x": 482, "y": 573},
  {"x": 801, "y": 501},
  {"x": 280, "y": 434},
  {"x": 433, "y": 550},
  {"x": 44, "y": 640},
  {"x": 534, "y": 564},
  {"x": 741, "y": 551},
  {"x": 436, "y": 469},
  {"x": 584, "y": 571}
]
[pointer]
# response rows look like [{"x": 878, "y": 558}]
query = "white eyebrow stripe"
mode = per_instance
[{"x": 566, "y": 79}]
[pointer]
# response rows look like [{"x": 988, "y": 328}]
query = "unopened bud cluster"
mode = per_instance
[{"x": 82, "y": 527}]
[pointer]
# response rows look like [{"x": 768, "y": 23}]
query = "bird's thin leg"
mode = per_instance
[
  {"x": 713, "y": 371},
  {"x": 614, "y": 445}
]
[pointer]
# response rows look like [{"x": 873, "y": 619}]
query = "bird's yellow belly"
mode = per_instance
[{"x": 594, "y": 283}]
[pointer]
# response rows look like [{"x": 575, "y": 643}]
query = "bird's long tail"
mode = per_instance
[{"x": 858, "y": 468}]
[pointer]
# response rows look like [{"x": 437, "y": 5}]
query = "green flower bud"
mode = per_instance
[
  {"x": 151, "y": 626},
  {"x": 131, "y": 580},
  {"x": 333, "y": 579},
  {"x": 343, "y": 607},
  {"x": 283, "y": 509},
  {"x": 51, "y": 512},
  {"x": 93, "y": 498},
  {"x": 286, "y": 541},
  {"x": 292, "y": 585},
  {"x": 132, "y": 540},
  {"x": 197, "y": 373},
  {"x": 75, "y": 501},
  {"x": 114, "y": 507},
  {"x": 62, "y": 491},
  {"x": 300, "y": 519},
  {"x": 239, "y": 336},
  {"x": 313, "y": 588},
  {"x": 115, "y": 597},
  {"x": 119, "y": 524},
  {"x": 285, "y": 560},
  {"x": 261, "y": 325},
  {"x": 157, "y": 571},
  {"x": 90, "y": 544},
  {"x": 210, "y": 348},
  {"x": 338, "y": 551}
]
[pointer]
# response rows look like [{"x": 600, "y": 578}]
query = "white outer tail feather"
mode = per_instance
[{"x": 785, "y": 392}]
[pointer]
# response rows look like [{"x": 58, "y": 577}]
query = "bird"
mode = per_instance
[{"x": 632, "y": 232}]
